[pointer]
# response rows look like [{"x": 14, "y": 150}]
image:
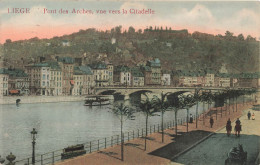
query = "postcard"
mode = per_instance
[{"x": 129, "y": 82}]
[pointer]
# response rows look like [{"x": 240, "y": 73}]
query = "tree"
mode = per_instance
[
  {"x": 197, "y": 98},
  {"x": 176, "y": 105},
  {"x": 220, "y": 97},
  {"x": 228, "y": 35},
  {"x": 131, "y": 30},
  {"x": 210, "y": 98},
  {"x": 124, "y": 113},
  {"x": 228, "y": 93},
  {"x": 188, "y": 101},
  {"x": 203, "y": 99},
  {"x": 147, "y": 107},
  {"x": 241, "y": 37},
  {"x": 250, "y": 38},
  {"x": 161, "y": 105}
]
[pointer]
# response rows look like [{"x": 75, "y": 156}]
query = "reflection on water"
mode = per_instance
[{"x": 63, "y": 124}]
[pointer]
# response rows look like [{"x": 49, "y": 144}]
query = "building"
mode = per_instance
[
  {"x": 155, "y": 66},
  {"x": 166, "y": 79},
  {"x": 100, "y": 72},
  {"x": 110, "y": 68},
  {"x": 18, "y": 82},
  {"x": 45, "y": 78},
  {"x": 89, "y": 81},
  {"x": 122, "y": 75},
  {"x": 84, "y": 82},
  {"x": 78, "y": 78},
  {"x": 222, "y": 80},
  {"x": 137, "y": 77},
  {"x": 56, "y": 79},
  {"x": 209, "y": 79},
  {"x": 65, "y": 43},
  {"x": 39, "y": 77},
  {"x": 190, "y": 79},
  {"x": 3, "y": 82},
  {"x": 147, "y": 72},
  {"x": 248, "y": 80},
  {"x": 67, "y": 68}
]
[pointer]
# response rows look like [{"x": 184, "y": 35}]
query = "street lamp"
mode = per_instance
[
  {"x": 33, "y": 135},
  {"x": 2, "y": 160}
]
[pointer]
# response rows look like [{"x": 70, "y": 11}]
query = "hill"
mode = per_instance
[{"x": 177, "y": 49}]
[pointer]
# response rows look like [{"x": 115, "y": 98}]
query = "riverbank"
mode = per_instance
[
  {"x": 158, "y": 152},
  {"x": 39, "y": 99}
]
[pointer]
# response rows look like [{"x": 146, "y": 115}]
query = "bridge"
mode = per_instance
[{"x": 134, "y": 93}]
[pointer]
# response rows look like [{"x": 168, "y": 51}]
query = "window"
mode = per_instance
[
  {"x": 43, "y": 83},
  {"x": 43, "y": 76}
]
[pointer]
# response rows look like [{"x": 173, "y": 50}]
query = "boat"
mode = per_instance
[
  {"x": 96, "y": 101},
  {"x": 73, "y": 151}
]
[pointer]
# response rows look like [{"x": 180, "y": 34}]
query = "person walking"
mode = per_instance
[
  {"x": 253, "y": 116},
  {"x": 211, "y": 121},
  {"x": 249, "y": 115},
  {"x": 191, "y": 118}
]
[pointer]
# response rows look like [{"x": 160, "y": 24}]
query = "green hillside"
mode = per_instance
[{"x": 177, "y": 49}]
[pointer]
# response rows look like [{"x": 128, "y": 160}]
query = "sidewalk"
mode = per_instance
[
  {"x": 157, "y": 152},
  {"x": 214, "y": 150}
]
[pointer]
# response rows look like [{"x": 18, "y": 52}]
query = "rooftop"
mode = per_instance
[
  {"x": 136, "y": 72},
  {"x": 99, "y": 65}
]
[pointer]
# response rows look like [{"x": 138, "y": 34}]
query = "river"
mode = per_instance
[{"x": 62, "y": 124}]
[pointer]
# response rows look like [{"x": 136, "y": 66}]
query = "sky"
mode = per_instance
[{"x": 208, "y": 17}]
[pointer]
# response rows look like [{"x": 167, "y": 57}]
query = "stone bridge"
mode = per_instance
[{"x": 124, "y": 93}]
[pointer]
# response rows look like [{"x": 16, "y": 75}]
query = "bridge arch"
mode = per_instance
[{"x": 135, "y": 97}]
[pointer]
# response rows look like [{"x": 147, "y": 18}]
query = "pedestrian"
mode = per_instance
[
  {"x": 191, "y": 118},
  {"x": 253, "y": 116},
  {"x": 249, "y": 115},
  {"x": 211, "y": 121}
]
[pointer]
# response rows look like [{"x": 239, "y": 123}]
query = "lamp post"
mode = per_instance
[
  {"x": 2, "y": 160},
  {"x": 33, "y": 135}
]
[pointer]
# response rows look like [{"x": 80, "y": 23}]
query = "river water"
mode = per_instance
[{"x": 62, "y": 124}]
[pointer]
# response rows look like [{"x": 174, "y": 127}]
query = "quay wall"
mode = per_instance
[{"x": 39, "y": 99}]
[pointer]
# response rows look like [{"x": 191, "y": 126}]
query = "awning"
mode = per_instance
[
  {"x": 72, "y": 82},
  {"x": 14, "y": 91}
]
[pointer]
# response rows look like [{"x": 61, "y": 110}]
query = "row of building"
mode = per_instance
[{"x": 64, "y": 76}]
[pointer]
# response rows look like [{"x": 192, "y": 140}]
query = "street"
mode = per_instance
[{"x": 213, "y": 151}]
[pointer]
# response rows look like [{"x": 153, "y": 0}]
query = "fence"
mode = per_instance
[{"x": 96, "y": 145}]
